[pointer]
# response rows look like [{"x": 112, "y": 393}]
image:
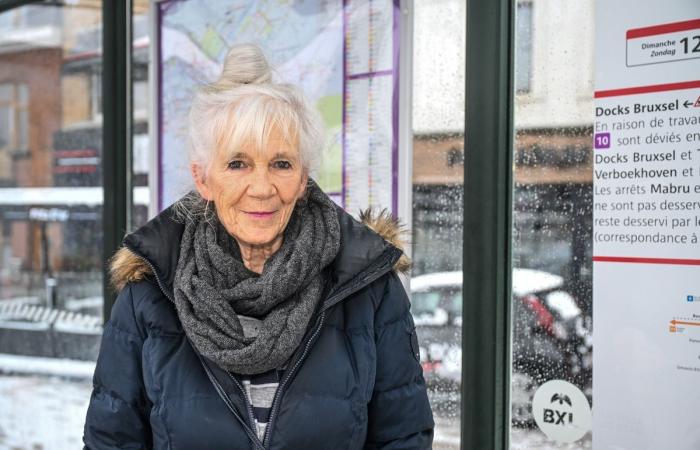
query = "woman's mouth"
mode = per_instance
[{"x": 260, "y": 214}]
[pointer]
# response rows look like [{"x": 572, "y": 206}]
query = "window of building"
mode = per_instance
[
  {"x": 523, "y": 47},
  {"x": 96, "y": 95},
  {"x": 14, "y": 126},
  {"x": 29, "y": 17}
]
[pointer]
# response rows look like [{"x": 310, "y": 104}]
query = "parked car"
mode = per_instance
[{"x": 551, "y": 339}]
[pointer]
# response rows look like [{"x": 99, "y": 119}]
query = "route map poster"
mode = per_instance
[
  {"x": 646, "y": 225},
  {"x": 342, "y": 53}
]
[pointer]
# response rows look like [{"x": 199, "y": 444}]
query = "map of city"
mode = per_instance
[
  {"x": 302, "y": 39},
  {"x": 342, "y": 53}
]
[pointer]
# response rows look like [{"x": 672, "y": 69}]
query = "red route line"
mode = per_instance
[
  {"x": 648, "y": 89},
  {"x": 636, "y": 260},
  {"x": 676, "y": 322},
  {"x": 663, "y": 29}
]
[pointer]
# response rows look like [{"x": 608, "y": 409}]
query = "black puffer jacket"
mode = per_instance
[{"x": 355, "y": 381}]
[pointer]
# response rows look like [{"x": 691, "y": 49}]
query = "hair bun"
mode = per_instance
[{"x": 244, "y": 64}]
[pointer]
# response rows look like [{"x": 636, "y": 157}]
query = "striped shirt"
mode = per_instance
[{"x": 260, "y": 388}]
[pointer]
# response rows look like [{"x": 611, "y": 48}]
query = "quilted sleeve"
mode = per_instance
[
  {"x": 399, "y": 412},
  {"x": 117, "y": 417}
]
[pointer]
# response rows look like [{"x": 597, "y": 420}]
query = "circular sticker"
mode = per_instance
[{"x": 561, "y": 411}]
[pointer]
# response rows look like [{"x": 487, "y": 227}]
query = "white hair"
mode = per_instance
[{"x": 244, "y": 106}]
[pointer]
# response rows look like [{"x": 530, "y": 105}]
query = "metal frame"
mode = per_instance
[
  {"x": 405, "y": 163},
  {"x": 487, "y": 225},
  {"x": 153, "y": 109},
  {"x": 116, "y": 134}
]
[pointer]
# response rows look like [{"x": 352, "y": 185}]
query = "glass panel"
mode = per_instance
[
  {"x": 5, "y": 145},
  {"x": 96, "y": 91},
  {"x": 141, "y": 139},
  {"x": 424, "y": 302},
  {"x": 5, "y": 126},
  {"x": 140, "y": 89},
  {"x": 51, "y": 221},
  {"x": 39, "y": 15},
  {"x": 439, "y": 42},
  {"x": 523, "y": 48},
  {"x": 7, "y": 20},
  {"x": 22, "y": 129},
  {"x": 74, "y": 86},
  {"x": 6, "y": 92},
  {"x": 22, "y": 94},
  {"x": 552, "y": 198}
]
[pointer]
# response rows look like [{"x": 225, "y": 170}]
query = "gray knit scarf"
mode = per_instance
[{"x": 213, "y": 287}]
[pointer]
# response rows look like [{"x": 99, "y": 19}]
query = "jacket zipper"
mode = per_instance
[
  {"x": 220, "y": 390},
  {"x": 249, "y": 408},
  {"x": 277, "y": 399},
  {"x": 153, "y": 269}
]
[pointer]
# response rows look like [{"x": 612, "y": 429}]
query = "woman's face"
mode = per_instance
[{"x": 255, "y": 190}]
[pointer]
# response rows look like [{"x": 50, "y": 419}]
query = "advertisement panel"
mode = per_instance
[{"x": 646, "y": 225}]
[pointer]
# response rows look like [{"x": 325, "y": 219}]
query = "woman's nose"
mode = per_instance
[{"x": 261, "y": 185}]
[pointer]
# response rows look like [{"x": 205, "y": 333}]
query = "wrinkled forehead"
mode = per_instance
[{"x": 257, "y": 127}]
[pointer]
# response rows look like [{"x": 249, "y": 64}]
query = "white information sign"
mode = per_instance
[{"x": 646, "y": 225}]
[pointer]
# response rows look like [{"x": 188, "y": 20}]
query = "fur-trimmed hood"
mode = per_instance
[{"x": 135, "y": 261}]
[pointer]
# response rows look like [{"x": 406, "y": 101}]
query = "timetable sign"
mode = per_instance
[{"x": 669, "y": 42}]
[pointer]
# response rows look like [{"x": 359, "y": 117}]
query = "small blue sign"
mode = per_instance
[{"x": 691, "y": 298}]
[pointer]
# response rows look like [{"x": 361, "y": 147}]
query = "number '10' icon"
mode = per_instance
[{"x": 602, "y": 140}]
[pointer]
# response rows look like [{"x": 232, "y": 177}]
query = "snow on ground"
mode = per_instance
[
  {"x": 535, "y": 439},
  {"x": 447, "y": 437},
  {"x": 42, "y": 413},
  {"x": 35, "y": 365},
  {"x": 446, "y": 434},
  {"x": 39, "y": 412}
]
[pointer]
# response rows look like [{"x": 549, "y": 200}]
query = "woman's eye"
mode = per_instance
[
  {"x": 236, "y": 164},
  {"x": 282, "y": 165}
]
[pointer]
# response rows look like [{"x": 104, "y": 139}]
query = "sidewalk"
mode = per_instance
[{"x": 36, "y": 365}]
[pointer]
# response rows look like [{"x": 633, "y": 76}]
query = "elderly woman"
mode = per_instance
[{"x": 254, "y": 313}]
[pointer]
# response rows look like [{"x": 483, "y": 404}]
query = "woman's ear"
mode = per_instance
[
  {"x": 200, "y": 181},
  {"x": 304, "y": 183}
]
